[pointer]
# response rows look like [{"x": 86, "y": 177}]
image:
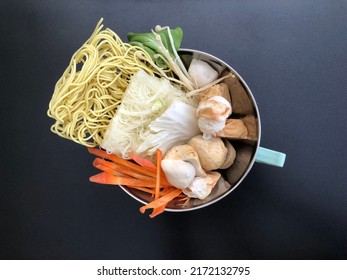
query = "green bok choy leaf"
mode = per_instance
[
  {"x": 162, "y": 45},
  {"x": 150, "y": 44}
]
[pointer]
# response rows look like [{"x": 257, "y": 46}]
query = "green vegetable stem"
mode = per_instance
[
  {"x": 162, "y": 45},
  {"x": 149, "y": 43}
]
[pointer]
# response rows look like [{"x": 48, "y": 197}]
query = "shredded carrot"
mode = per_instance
[
  {"x": 123, "y": 162},
  {"x": 98, "y": 179},
  {"x": 107, "y": 169},
  {"x": 120, "y": 169},
  {"x": 166, "y": 190},
  {"x": 129, "y": 165},
  {"x": 159, "y": 157},
  {"x": 145, "y": 189},
  {"x": 109, "y": 179},
  {"x": 157, "y": 211},
  {"x": 143, "y": 162},
  {"x": 161, "y": 201},
  {"x": 141, "y": 174}
]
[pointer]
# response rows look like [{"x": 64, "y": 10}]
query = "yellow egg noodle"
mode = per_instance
[{"x": 90, "y": 90}]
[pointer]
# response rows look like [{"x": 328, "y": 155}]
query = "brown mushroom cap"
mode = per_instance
[{"x": 212, "y": 153}]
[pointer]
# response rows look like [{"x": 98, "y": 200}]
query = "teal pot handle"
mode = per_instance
[{"x": 270, "y": 157}]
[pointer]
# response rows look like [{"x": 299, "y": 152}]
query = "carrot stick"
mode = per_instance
[
  {"x": 123, "y": 162},
  {"x": 143, "y": 162},
  {"x": 166, "y": 190},
  {"x": 107, "y": 169},
  {"x": 142, "y": 175},
  {"x": 122, "y": 171},
  {"x": 129, "y": 165},
  {"x": 161, "y": 201},
  {"x": 159, "y": 157},
  {"x": 118, "y": 168},
  {"x": 161, "y": 209},
  {"x": 109, "y": 179},
  {"x": 157, "y": 211},
  {"x": 144, "y": 189}
]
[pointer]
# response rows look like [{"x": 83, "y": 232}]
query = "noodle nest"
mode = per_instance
[{"x": 90, "y": 90}]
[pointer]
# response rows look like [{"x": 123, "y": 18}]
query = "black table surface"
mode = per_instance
[{"x": 293, "y": 56}]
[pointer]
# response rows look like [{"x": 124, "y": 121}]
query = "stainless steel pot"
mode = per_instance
[{"x": 247, "y": 151}]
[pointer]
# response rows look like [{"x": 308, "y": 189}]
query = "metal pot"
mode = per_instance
[{"x": 247, "y": 151}]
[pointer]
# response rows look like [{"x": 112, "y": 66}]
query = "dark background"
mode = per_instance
[{"x": 292, "y": 54}]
